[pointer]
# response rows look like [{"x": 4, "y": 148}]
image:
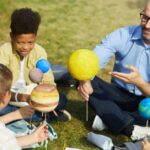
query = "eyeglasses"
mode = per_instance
[{"x": 144, "y": 18}]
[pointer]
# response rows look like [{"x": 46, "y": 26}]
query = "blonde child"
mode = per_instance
[{"x": 7, "y": 139}]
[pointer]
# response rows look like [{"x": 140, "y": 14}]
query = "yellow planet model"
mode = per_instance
[{"x": 83, "y": 64}]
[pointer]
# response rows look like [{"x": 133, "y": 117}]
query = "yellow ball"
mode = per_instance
[{"x": 83, "y": 64}]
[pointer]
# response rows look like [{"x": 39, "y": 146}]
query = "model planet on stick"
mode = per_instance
[
  {"x": 43, "y": 65},
  {"x": 83, "y": 64},
  {"x": 44, "y": 98},
  {"x": 144, "y": 108},
  {"x": 36, "y": 75}
]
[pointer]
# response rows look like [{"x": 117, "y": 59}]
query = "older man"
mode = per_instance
[{"x": 116, "y": 103}]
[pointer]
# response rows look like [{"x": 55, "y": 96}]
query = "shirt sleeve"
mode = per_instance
[
  {"x": 4, "y": 57},
  {"x": 109, "y": 46}
]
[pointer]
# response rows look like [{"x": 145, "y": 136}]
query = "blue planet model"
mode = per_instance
[
  {"x": 144, "y": 108},
  {"x": 43, "y": 65}
]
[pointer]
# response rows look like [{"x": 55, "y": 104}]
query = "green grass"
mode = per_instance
[{"x": 68, "y": 25}]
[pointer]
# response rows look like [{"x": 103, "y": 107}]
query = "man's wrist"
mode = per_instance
[
  {"x": 140, "y": 82},
  {"x": 84, "y": 81}
]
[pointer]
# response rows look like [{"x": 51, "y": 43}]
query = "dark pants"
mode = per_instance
[
  {"x": 115, "y": 106},
  {"x": 37, "y": 116}
]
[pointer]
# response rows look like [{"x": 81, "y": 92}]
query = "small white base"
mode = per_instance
[{"x": 19, "y": 104}]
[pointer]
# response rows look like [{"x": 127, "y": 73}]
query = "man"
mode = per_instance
[
  {"x": 116, "y": 104},
  {"x": 20, "y": 56}
]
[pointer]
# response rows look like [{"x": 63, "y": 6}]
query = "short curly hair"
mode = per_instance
[
  {"x": 5, "y": 80},
  {"x": 24, "y": 21}
]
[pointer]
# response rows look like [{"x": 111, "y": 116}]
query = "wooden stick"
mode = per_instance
[
  {"x": 30, "y": 125},
  {"x": 55, "y": 113},
  {"x": 45, "y": 117},
  {"x": 147, "y": 127},
  {"x": 147, "y": 123},
  {"x": 87, "y": 113}
]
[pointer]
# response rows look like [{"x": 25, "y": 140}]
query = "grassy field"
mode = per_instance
[{"x": 68, "y": 25}]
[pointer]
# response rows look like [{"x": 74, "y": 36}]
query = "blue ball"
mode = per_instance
[
  {"x": 43, "y": 65},
  {"x": 144, "y": 108}
]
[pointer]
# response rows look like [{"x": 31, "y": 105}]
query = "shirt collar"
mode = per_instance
[
  {"x": 137, "y": 33},
  {"x": 14, "y": 50}
]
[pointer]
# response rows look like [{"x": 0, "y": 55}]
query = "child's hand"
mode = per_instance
[
  {"x": 41, "y": 133},
  {"x": 145, "y": 144},
  {"x": 25, "y": 112}
]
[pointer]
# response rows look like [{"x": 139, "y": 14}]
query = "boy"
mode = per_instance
[
  {"x": 8, "y": 140},
  {"x": 20, "y": 56}
]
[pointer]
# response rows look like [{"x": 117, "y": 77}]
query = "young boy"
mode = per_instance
[
  {"x": 20, "y": 56},
  {"x": 7, "y": 138}
]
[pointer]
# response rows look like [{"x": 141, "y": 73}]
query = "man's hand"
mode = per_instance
[
  {"x": 85, "y": 89},
  {"x": 134, "y": 78},
  {"x": 145, "y": 144},
  {"x": 131, "y": 78},
  {"x": 24, "y": 112}
]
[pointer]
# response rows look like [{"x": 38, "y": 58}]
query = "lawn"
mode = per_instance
[{"x": 68, "y": 25}]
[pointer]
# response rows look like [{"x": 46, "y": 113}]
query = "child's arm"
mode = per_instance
[
  {"x": 39, "y": 135},
  {"x": 145, "y": 144},
  {"x": 24, "y": 112}
]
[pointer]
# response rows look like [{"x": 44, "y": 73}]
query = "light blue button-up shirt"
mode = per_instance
[{"x": 128, "y": 46}]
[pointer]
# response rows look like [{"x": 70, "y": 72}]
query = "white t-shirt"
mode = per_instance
[
  {"x": 20, "y": 83},
  {"x": 8, "y": 140}
]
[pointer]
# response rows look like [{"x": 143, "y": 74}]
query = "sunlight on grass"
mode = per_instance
[{"x": 68, "y": 25}]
